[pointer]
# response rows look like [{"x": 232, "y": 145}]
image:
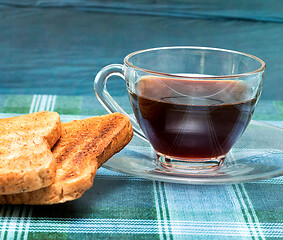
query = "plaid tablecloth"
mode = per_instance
[{"x": 120, "y": 206}]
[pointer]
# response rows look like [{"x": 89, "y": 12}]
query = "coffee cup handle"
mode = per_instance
[{"x": 106, "y": 99}]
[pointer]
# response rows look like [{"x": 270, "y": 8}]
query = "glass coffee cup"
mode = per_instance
[{"x": 191, "y": 103}]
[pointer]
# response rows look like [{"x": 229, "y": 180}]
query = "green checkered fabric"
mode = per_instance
[{"x": 120, "y": 206}]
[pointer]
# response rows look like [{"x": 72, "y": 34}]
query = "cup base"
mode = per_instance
[{"x": 180, "y": 165}]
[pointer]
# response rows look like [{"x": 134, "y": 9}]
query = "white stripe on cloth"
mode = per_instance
[
  {"x": 138, "y": 226},
  {"x": 157, "y": 207},
  {"x": 246, "y": 212},
  {"x": 49, "y": 102},
  {"x": 237, "y": 207},
  {"x": 163, "y": 206},
  {"x": 43, "y": 103},
  {"x": 4, "y": 220},
  {"x": 27, "y": 225},
  {"x": 34, "y": 99},
  {"x": 37, "y": 103},
  {"x": 255, "y": 227},
  {"x": 53, "y": 103},
  {"x": 253, "y": 211},
  {"x": 21, "y": 223},
  {"x": 13, "y": 222}
]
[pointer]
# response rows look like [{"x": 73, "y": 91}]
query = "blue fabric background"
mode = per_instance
[{"x": 57, "y": 47}]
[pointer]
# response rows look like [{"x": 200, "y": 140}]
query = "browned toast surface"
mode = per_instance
[
  {"x": 27, "y": 163},
  {"x": 83, "y": 147},
  {"x": 40, "y": 124}
]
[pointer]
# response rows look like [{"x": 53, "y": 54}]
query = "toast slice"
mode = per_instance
[
  {"x": 27, "y": 163},
  {"x": 83, "y": 147}
]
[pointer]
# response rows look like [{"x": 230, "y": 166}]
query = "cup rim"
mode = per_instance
[{"x": 263, "y": 65}]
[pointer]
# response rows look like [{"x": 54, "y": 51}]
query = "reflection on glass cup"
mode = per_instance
[{"x": 192, "y": 103}]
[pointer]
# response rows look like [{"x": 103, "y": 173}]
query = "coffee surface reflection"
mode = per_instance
[{"x": 192, "y": 119}]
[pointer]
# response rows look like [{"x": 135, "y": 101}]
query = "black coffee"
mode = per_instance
[{"x": 192, "y": 119}]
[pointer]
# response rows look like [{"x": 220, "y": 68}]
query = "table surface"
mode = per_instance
[
  {"x": 49, "y": 54},
  {"x": 119, "y": 206}
]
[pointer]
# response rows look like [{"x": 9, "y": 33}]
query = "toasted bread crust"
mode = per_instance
[
  {"x": 83, "y": 147},
  {"x": 27, "y": 163}
]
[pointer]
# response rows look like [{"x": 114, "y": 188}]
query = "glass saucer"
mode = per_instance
[{"x": 257, "y": 155}]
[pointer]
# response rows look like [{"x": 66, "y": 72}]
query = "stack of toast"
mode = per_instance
[{"x": 44, "y": 161}]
